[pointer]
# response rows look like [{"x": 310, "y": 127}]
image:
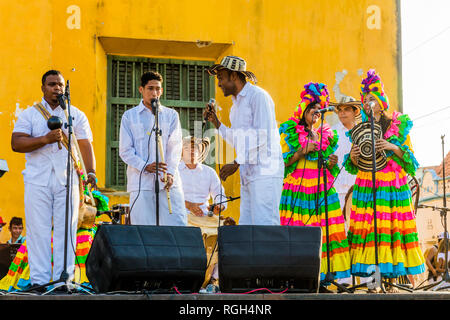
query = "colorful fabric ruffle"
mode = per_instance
[
  {"x": 372, "y": 84},
  {"x": 298, "y": 202},
  {"x": 18, "y": 277},
  {"x": 397, "y": 239},
  {"x": 294, "y": 136}
]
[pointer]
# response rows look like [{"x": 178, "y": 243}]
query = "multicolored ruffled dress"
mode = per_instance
[
  {"x": 398, "y": 244},
  {"x": 298, "y": 198}
]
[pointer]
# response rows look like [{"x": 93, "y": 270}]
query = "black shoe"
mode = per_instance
[
  {"x": 323, "y": 289},
  {"x": 61, "y": 289},
  {"x": 37, "y": 289}
]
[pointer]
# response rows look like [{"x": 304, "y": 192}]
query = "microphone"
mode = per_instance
[
  {"x": 325, "y": 110},
  {"x": 155, "y": 104},
  {"x": 211, "y": 103},
  {"x": 62, "y": 103},
  {"x": 371, "y": 106},
  {"x": 55, "y": 122}
]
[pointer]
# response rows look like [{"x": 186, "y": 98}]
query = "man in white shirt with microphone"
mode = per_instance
[
  {"x": 137, "y": 148},
  {"x": 45, "y": 178},
  {"x": 256, "y": 140}
]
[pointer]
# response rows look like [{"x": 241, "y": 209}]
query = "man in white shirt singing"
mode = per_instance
[
  {"x": 255, "y": 137},
  {"x": 45, "y": 177},
  {"x": 137, "y": 148}
]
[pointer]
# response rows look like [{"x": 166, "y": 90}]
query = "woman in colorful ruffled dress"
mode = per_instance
[
  {"x": 300, "y": 143},
  {"x": 397, "y": 240}
]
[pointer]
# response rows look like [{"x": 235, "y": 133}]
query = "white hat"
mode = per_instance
[{"x": 202, "y": 143}]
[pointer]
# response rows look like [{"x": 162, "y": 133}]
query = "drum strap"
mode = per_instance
[
  {"x": 39, "y": 107},
  {"x": 65, "y": 140}
]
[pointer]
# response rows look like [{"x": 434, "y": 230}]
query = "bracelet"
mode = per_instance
[{"x": 91, "y": 174}]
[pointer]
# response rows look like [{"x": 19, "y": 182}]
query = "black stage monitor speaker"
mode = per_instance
[
  {"x": 153, "y": 258},
  {"x": 7, "y": 253},
  {"x": 270, "y": 257}
]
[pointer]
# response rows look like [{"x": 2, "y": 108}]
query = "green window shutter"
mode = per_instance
[{"x": 187, "y": 88}]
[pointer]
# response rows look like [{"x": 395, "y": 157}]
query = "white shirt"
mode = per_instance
[
  {"x": 134, "y": 145},
  {"x": 41, "y": 162},
  {"x": 201, "y": 184},
  {"x": 254, "y": 135},
  {"x": 344, "y": 180}
]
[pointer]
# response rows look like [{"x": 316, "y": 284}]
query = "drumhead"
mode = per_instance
[{"x": 362, "y": 136}]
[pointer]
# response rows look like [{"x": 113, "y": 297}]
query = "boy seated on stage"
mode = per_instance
[
  {"x": 16, "y": 228},
  {"x": 200, "y": 182}
]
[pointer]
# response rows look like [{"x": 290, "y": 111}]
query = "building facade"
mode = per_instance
[
  {"x": 430, "y": 220},
  {"x": 102, "y": 47}
]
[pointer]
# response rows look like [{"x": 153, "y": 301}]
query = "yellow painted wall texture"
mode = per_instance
[{"x": 285, "y": 43}]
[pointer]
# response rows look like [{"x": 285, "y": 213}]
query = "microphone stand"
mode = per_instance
[
  {"x": 219, "y": 203},
  {"x": 443, "y": 212},
  {"x": 321, "y": 165},
  {"x": 155, "y": 106}
]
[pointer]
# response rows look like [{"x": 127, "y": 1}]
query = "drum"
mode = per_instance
[
  {"x": 121, "y": 214},
  {"x": 86, "y": 216},
  {"x": 362, "y": 136},
  {"x": 7, "y": 254},
  {"x": 209, "y": 225}
]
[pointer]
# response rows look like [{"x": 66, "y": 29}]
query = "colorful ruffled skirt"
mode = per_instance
[
  {"x": 298, "y": 208},
  {"x": 18, "y": 277},
  {"x": 397, "y": 240}
]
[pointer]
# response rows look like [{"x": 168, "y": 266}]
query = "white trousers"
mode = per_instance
[
  {"x": 46, "y": 207},
  {"x": 260, "y": 201},
  {"x": 143, "y": 211}
]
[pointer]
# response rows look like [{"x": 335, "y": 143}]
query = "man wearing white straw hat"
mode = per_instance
[
  {"x": 256, "y": 140},
  {"x": 200, "y": 182}
]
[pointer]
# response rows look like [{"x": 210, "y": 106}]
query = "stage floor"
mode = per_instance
[{"x": 358, "y": 295}]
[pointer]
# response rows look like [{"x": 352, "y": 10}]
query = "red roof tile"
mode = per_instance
[{"x": 439, "y": 169}]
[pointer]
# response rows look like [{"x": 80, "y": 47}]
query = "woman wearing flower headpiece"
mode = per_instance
[
  {"x": 300, "y": 143},
  {"x": 398, "y": 248}
]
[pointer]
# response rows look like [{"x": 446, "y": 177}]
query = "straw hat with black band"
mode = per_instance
[
  {"x": 232, "y": 63},
  {"x": 203, "y": 145},
  {"x": 349, "y": 101}
]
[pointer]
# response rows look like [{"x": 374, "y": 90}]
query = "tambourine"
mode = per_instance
[{"x": 362, "y": 137}]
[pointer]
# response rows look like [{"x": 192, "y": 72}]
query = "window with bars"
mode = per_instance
[{"x": 187, "y": 87}]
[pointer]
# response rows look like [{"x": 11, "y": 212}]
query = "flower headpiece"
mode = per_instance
[
  {"x": 372, "y": 84},
  {"x": 313, "y": 93}
]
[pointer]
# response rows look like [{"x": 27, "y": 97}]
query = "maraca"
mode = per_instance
[{"x": 55, "y": 122}]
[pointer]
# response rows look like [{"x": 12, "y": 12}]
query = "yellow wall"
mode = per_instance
[{"x": 285, "y": 43}]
